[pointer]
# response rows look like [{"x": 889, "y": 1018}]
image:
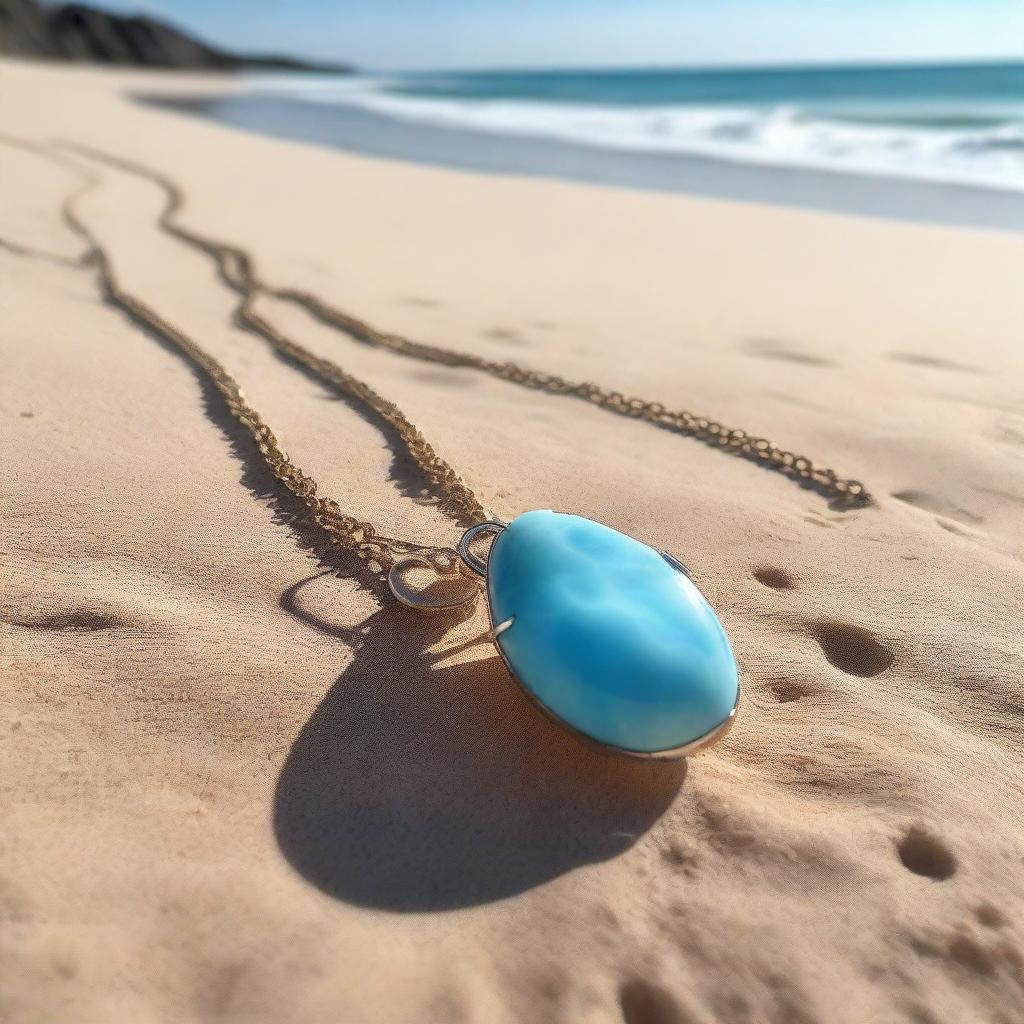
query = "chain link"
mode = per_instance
[{"x": 361, "y": 538}]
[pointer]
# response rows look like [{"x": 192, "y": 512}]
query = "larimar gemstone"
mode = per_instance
[{"x": 608, "y": 636}]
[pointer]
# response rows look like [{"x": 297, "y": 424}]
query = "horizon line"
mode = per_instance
[{"x": 729, "y": 67}]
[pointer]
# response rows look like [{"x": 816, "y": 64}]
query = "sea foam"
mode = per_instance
[{"x": 989, "y": 153}]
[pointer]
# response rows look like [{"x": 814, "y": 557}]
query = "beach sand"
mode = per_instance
[{"x": 237, "y": 785}]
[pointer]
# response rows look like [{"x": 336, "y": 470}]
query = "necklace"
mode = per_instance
[{"x": 608, "y": 636}]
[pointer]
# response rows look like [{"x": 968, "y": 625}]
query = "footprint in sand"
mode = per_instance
[
  {"x": 958, "y": 531},
  {"x": 932, "y": 362},
  {"x": 788, "y": 690},
  {"x": 644, "y": 1002},
  {"x": 80, "y": 621},
  {"x": 766, "y": 348},
  {"x": 852, "y": 649},
  {"x": 680, "y": 857},
  {"x": 777, "y": 579},
  {"x": 444, "y": 377},
  {"x": 990, "y": 916},
  {"x": 815, "y": 519},
  {"x": 939, "y": 506},
  {"x": 506, "y": 335},
  {"x": 970, "y": 953},
  {"x": 1017, "y": 499},
  {"x": 926, "y": 854}
]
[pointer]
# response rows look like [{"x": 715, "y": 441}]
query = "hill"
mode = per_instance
[{"x": 77, "y": 32}]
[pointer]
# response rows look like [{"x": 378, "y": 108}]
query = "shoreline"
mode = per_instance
[{"x": 367, "y": 133}]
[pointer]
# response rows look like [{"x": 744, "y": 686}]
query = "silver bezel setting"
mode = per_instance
[{"x": 708, "y": 739}]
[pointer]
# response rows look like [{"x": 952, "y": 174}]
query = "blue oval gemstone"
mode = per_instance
[{"x": 608, "y": 636}]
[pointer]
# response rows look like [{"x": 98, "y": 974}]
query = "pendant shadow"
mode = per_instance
[{"x": 419, "y": 785}]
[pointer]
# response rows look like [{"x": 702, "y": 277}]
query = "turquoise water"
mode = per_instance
[
  {"x": 955, "y": 94},
  {"x": 959, "y": 123}
]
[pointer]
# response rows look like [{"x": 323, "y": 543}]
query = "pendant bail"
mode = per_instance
[
  {"x": 473, "y": 561},
  {"x": 446, "y": 592}
]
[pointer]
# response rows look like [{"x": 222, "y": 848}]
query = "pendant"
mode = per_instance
[{"x": 608, "y": 636}]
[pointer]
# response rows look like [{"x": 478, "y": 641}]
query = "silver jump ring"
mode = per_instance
[
  {"x": 472, "y": 561},
  {"x": 426, "y": 600}
]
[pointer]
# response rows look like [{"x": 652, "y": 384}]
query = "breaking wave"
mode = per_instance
[{"x": 955, "y": 146}]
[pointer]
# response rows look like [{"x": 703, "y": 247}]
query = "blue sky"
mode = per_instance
[{"x": 564, "y": 33}]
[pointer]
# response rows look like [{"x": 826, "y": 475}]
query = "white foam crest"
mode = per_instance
[{"x": 777, "y": 136}]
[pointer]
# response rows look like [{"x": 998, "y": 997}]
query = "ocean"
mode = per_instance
[
  {"x": 703, "y": 131},
  {"x": 959, "y": 123}
]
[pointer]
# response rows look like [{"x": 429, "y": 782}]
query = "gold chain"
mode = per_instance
[
  {"x": 361, "y": 538},
  {"x": 236, "y": 267},
  {"x": 846, "y": 493}
]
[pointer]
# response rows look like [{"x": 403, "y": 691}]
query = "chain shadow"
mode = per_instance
[
  {"x": 403, "y": 470},
  {"x": 419, "y": 785},
  {"x": 255, "y": 475}
]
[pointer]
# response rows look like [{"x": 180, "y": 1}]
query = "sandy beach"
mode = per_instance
[{"x": 239, "y": 784}]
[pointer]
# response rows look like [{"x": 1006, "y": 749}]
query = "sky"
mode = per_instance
[{"x": 403, "y": 34}]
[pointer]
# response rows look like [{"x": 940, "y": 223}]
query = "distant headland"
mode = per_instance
[{"x": 77, "y": 32}]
